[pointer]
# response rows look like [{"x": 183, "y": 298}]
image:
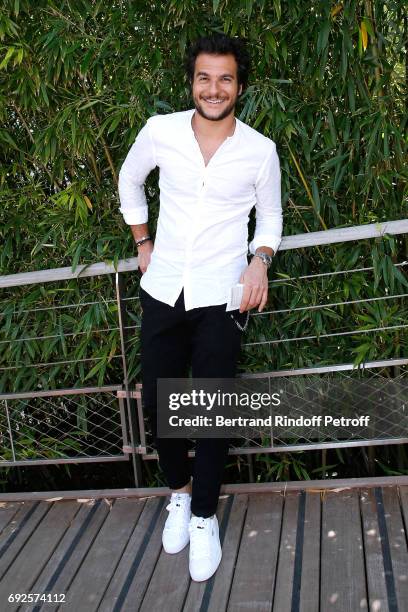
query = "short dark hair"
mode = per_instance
[{"x": 220, "y": 44}]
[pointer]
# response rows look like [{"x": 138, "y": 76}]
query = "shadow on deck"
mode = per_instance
[{"x": 284, "y": 549}]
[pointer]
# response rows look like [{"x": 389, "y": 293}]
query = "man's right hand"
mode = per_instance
[{"x": 144, "y": 253}]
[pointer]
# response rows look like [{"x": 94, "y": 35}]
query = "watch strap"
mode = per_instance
[{"x": 267, "y": 259}]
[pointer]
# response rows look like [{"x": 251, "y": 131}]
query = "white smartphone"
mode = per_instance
[{"x": 235, "y": 297}]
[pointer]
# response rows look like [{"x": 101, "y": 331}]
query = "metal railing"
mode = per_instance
[
  {"x": 387, "y": 421},
  {"x": 106, "y": 423},
  {"x": 90, "y": 421}
]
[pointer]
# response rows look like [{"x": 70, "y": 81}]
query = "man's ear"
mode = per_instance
[{"x": 240, "y": 90}]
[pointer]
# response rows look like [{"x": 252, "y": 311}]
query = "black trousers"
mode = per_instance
[{"x": 172, "y": 340}]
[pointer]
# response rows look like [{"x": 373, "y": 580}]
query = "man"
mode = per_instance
[{"x": 213, "y": 170}]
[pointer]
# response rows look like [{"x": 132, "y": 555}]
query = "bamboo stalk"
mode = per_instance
[
  {"x": 95, "y": 167},
  {"x": 375, "y": 51},
  {"x": 306, "y": 186},
  {"x": 104, "y": 144},
  {"x": 106, "y": 149}
]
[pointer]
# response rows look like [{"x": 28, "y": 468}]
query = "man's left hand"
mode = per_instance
[{"x": 255, "y": 281}]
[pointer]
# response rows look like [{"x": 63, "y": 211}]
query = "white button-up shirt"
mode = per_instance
[{"x": 201, "y": 241}]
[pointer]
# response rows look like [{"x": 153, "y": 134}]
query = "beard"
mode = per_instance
[{"x": 227, "y": 111}]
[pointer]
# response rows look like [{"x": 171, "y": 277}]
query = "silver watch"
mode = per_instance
[{"x": 267, "y": 259}]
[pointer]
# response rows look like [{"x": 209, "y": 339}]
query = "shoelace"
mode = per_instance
[
  {"x": 180, "y": 505},
  {"x": 200, "y": 538}
]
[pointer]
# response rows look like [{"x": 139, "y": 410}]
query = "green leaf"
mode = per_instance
[
  {"x": 399, "y": 276},
  {"x": 7, "y": 57},
  {"x": 77, "y": 255},
  {"x": 88, "y": 104},
  {"x": 86, "y": 61}
]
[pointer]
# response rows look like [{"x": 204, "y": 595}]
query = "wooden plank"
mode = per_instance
[
  {"x": 254, "y": 578},
  {"x": 287, "y": 550},
  {"x": 63, "y": 574},
  {"x": 133, "y": 597},
  {"x": 11, "y": 527},
  {"x": 373, "y": 550},
  {"x": 344, "y": 234},
  {"x": 171, "y": 579},
  {"x": 403, "y": 494},
  {"x": 331, "y": 236},
  {"x": 142, "y": 492},
  {"x": 60, "y": 569},
  {"x": 135, "y": 555},
  {"x": 227, "y": 489},
  {"x": 397, "y": 544},
  {"x": 89, "y": 584},
  {"x": 212, "y": 595},
  {"x": 26, "y": 567},
  {"x": 7, "y": 513},
  {"x": 310, "y": 570},
  {"x": 18, "y": 531},
  {"x": 343, "y": 585},
  {"x": 59, "y": 274}
]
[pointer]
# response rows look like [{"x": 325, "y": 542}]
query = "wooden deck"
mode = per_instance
[{"x": 286, "y": 551}]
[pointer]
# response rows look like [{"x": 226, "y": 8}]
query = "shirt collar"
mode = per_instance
[{"x": 190, "y": 114}]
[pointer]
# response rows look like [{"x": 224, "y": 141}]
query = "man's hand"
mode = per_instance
[
  {"x": 255, "y": 281},
  {"x": 144, "y": 253}
]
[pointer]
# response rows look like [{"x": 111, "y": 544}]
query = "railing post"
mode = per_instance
[
  {"x": 133, "y": 428},
  {"x": 10, "y": 431}
]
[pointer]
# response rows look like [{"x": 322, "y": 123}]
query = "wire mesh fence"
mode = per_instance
[
  {"x": 61, "y": 427},
  {"x": 322, "y": 405}
]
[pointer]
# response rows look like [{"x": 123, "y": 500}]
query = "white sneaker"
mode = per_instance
[
  {"x": 205, "y": 547},
  {"x": 175, "y": 533}
]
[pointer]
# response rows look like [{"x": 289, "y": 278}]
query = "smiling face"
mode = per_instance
[{"x": 215, "y": 85}]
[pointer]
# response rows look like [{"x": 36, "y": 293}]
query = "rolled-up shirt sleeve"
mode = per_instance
[
  {"x": 139, "y": 162},
  {"x": 268, "y": 207}
]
